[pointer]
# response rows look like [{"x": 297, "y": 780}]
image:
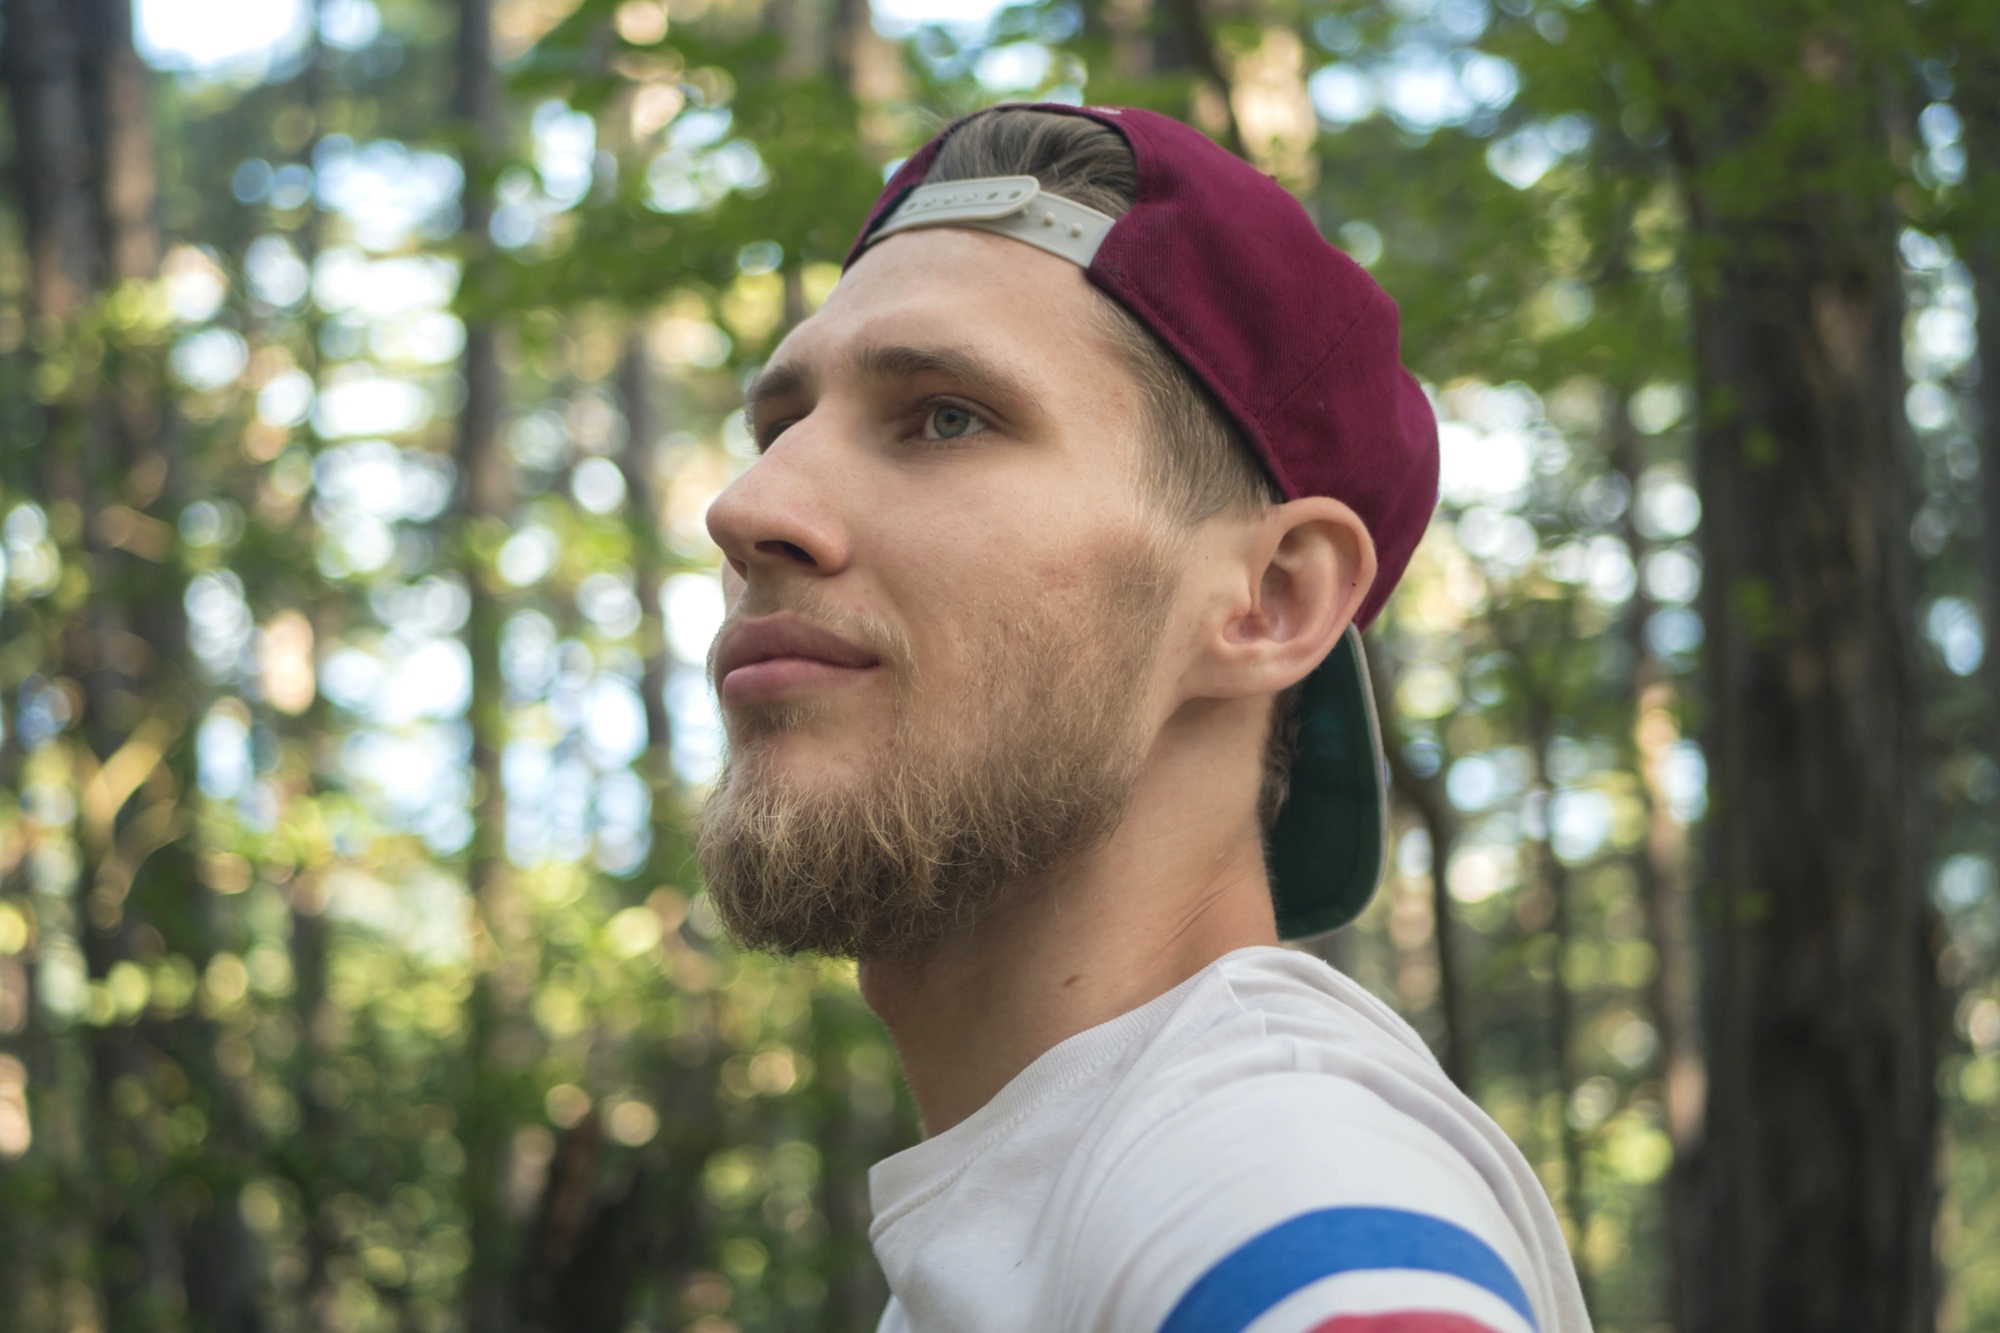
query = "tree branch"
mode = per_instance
[{"x": 1426, "y": 796}]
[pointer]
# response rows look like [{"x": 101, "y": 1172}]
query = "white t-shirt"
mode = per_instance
[{"x": 1266, "y": 1148}]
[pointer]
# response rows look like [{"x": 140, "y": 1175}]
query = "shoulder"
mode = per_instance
[
  {"x": 1300, "y": 1163},
  {"x": 1259, "y": 1015}
]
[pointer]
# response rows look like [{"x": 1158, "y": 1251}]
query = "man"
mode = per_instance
[{"x": 1045, "y": 702}]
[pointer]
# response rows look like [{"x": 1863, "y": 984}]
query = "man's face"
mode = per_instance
[{"x": 948, "y": 596}]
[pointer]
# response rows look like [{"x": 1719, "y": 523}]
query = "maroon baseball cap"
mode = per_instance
[{"x": 1300, "y": 346}]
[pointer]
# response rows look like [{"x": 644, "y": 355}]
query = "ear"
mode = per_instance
[{"x": 1295, "y": 579}]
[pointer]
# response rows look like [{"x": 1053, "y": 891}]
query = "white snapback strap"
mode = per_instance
[{"x": 1013, "y": 206}]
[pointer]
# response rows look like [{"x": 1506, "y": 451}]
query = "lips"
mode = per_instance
[{"x": 784, "y": 656}]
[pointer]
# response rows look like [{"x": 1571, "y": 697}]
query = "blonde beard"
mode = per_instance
[{"x": 965, "y": 803}]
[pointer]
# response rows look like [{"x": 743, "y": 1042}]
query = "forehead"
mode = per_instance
[{"x": 1034, "y": 313}]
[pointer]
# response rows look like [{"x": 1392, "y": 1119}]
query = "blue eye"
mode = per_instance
[{"x": 946, "y": 422}]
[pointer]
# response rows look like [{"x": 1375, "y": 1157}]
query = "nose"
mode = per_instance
[{"x": 775, "y": 519}]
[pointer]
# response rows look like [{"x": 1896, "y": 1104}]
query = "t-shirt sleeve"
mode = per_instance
[{"x": 1300, "y": 1203}]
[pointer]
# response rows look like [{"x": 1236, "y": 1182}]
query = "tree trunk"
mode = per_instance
[
  {"x": 1821, "y": 1004},
  {"x": 120, "y": 102},
  {"x": 312, "y": 1165},
  {"x": 52, "y": 154},
  {"x": 1816, "y": 1180},
  {"x": 85, "y": 178},
  {"x": 649, "y": 556},
  {"x": 487, "y": 506},
  {"x": 1562, "y": 1039},
  {"x": 1542, "y": 727},
  {"x": 1660, "y": 874},
  {"x": 1191, "y": 29},
  {"x": 1978, "y": 238}
]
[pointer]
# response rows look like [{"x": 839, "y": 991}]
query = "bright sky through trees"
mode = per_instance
[{"x": 203, "y": 35}]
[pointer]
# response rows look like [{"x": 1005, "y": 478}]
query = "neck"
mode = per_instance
[{"x": 1180, "y": 883}]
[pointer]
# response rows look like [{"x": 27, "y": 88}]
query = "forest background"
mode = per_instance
[{"x": 366, "y": 367}]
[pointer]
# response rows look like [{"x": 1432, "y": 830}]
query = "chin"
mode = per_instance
[{"x": 810, "y": 753}]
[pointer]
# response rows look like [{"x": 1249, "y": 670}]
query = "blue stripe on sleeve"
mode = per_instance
[{"x": 1269, "y": 1267}]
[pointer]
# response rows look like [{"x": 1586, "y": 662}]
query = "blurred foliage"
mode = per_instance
[{"x": 370, "y": 1093}]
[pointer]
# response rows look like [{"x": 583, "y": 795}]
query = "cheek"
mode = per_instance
[
  {"x": 1021, "y": 537},
  {"x": 970, "y": 590}
]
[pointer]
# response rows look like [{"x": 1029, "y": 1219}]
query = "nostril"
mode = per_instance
[{"x": 790, "y": 550}]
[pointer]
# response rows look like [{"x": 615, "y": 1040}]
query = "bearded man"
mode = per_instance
[{"x": 1046, "y": 702}]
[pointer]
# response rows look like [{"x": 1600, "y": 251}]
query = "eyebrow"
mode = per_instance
[
  {"x": 897, "y": 361},
  {"x": 779, "y": 381}
]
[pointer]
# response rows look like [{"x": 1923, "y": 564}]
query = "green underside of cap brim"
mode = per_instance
[{"x": 1325, "y": 852}]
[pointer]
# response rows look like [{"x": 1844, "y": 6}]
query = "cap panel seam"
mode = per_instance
[{"x": 1307, "y": 375}]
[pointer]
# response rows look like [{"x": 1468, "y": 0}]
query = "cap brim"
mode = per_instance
[{"x": 1327, "y": 849}]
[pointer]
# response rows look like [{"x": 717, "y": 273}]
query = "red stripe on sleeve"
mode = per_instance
[{"x": 1403, "y": 1321}]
